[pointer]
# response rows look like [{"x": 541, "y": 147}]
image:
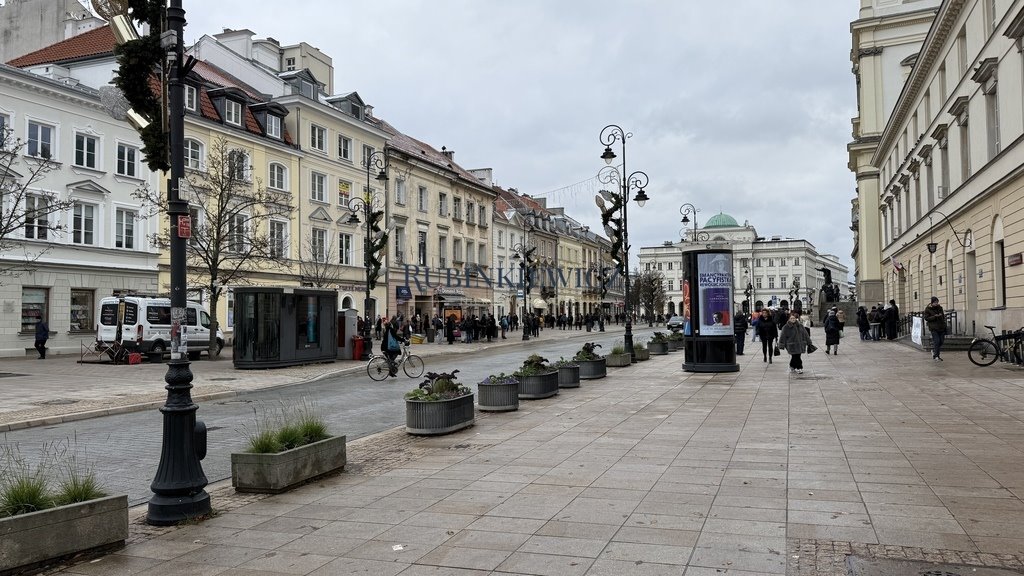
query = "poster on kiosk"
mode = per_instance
[
  {"x": 714, "y": 272},
  {"x": 709, "y": 344}
]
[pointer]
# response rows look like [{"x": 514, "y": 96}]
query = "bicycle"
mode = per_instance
[
  {"x": 1004, "y": 347},
  {"x": 379, "y": 368}
]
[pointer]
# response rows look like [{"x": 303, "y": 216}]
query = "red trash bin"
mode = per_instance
[{"x": 357, "y": 347}]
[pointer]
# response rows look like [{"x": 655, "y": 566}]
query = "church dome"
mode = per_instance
[{"x": 721, "y": 220}]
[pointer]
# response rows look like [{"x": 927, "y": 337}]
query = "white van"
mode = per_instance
[{"x": 146, "y": 325}]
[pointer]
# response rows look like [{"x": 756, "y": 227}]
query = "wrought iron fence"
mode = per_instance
[{"x": 953, "y": 327}]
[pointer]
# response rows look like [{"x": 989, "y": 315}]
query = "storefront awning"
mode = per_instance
[{"x": 540, "y": 303}]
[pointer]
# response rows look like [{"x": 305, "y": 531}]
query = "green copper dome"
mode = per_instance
[{"x": 721, "y": 220}]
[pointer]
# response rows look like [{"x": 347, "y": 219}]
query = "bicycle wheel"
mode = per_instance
[
  {"x": 413, "y": 366},
  {"x": 377, "y": 368},
  {"x": 983, "y": 352},
  {"x": 1017, "y": 352}
]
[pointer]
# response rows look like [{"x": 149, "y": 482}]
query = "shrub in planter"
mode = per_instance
[
  {"x": 675, "y": 341},
  {"x": 537, "y": 379},
  {"x": 640, "y": 352},
  {"x": 619, "y": 357},
  {"x": 54, "y": 509},
  {"x": 287, "y": 448},
  {"x": 498, "y": 393},
  {"x": 439, "y": 406},
  {"x": 658, "y": 344},
  {"x": 568, "y": 373},
  {"x": 592, "y": 364}
]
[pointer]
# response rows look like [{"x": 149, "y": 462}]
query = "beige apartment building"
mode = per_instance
[
  {"x": 951, "y": 169},
  {"x": 887, "y": 37}
]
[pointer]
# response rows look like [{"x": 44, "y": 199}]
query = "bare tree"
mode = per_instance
[
  {"x": 27, "y": 214},
  {"x": 648, "y": 291},
  {"x": 232, "y": 232},
  {"x": 318, "y": 264}
]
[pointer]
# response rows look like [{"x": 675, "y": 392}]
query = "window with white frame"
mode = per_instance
[
  {"x": 757, "y": 282},
  {"x": 442, "y": 204},
  {"x": 344, "y": 192},
  {"x": 278, "y": 238},
  {"x": 421, "y": 247},
  {"x": 400, "y": 244},
  {"x": 442, "y": 251},
  {"x": 35, "y": 307},
  {"x": 771, "y": 282},
  {"x": 124, "y": 229},
  {"x": 345, "y": 249},
  {"x": 367, "y": 152},
  {"x": 318, "y": 138},
  {"x": 782, "y": 280},
  {"x": 483, "y": 215},
  {"x": 400, "y": 191},
  {"x": 83, "y": 224},
  {"x": 278, "y": 176},
  {"x": 40, "y": 140},
  {"x": 423, "y": 201},
  {"x": 470, "y": 252},
  {"x": 127, "y": 161},
  {"x": 317, "y": 186},
  {"x": 193, "y": 154},
  {"x": 232, "y": 112},
  {"x": 991, "y": 116},
  {"x": 273, "y": 126},
  {"x": 318, "y": 245},
  {"x": 482, "y": 256},
  {"x": 344, "y": 148},
  {"x": 236, "y": 233},
  {"x": 86, "y": 151},
  {"x": 457, "y": 250},
  {"x": 5, "y": 124},
  {"x": 191, "y": 98},
  {"x": 471, "y": 212},
  {"x": 37, "y": 209},
  {"x": 501, "y": 238},
  {"x": 457, "y": 208},
  {"x": 796, "y": 261},
  {"x": 238, "y": 165}
]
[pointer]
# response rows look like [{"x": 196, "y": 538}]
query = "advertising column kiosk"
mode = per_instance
[{"x": 707, "y": 309}]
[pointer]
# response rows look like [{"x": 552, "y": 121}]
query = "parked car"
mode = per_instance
[
  {"x": 145, "y": 325},
  {"x": 675, "y": 323}
]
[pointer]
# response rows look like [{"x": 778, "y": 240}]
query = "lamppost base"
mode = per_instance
[{"x": 172, "y": 510}]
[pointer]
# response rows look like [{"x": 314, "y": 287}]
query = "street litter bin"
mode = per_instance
[
  {"x": 357, "y": 347},
  {"x": 431, "y": 333}
]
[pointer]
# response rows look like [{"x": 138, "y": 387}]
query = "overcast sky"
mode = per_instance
[{"x": 739, "y": 106}]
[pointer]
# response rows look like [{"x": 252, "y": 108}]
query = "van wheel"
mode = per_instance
[
  {"x": 220, "y": 346},
  {"x": 159, "y": 347},
  {"x": 194, "y": 355}
]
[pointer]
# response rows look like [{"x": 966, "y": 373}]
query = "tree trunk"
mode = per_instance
[{"x": 214, "y": 324}]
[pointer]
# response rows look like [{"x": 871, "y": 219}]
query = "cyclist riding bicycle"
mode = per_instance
[{"x": 392, "y": 332}]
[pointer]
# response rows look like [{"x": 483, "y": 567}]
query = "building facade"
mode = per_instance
[
  {"x": 951, "y": 169},
  {"x": 887, "y": 37}
]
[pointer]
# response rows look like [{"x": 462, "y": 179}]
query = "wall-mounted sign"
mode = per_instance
[{"x": 1015, "y": 259}]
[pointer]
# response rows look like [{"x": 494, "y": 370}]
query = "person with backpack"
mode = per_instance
[
  {"x": 391, "y": 344},
  {"x": 504, "y": 326}
]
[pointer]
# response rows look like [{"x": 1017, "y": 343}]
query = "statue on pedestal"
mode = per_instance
[{"x": 829, "y": 289}]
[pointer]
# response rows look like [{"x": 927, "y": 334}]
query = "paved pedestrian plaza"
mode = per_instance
[{"x": 877, "y": 452}]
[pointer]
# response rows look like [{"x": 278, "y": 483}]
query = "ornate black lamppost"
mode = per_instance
[
  {"x": 375, "y": 161},
  {"x": 522, "y": 256},
  {"x": 636, "y": 180},
  {"x": 686, "y": 210}
]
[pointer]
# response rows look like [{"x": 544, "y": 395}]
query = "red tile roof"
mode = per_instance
[
  {"x": 97, "y": 42},
  {"x": 423, "y": 151}
]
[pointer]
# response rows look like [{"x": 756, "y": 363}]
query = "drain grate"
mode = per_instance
[{"x": 858, "y": 566}]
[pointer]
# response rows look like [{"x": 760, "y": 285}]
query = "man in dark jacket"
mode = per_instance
[
  {"x": 935, "y": 318},
  {"x": 739, "y": 326},
  {"x": 42, "y": 335}
]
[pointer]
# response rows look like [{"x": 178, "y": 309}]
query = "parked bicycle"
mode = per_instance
[
  {"x": 1007, "y": 347},
  {"x": 379, "y": 368}
]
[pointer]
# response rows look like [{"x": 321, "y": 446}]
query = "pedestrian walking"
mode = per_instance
[
  {"x": 42, "y": 335},
  {"x": 449, "y": 329},
  {"x": 754, "y": 321},
  {"x": 863, "y": 324},
  {"x": 739, "y": 327},
  {"x": 796, "y": 340},
  {"x": 768, "y": 333},
  {"x": 935, "y": 318},
  {"x": 892, "y": 320},
  {"x": 875, "y": 318},
  {"x": 832, "y": 329}
]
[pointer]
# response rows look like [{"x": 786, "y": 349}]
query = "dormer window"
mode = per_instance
[
  {"x": 273, "y": 126},
  {"x": 232, "y": 112},
  {"x": 191, "y": 98},
  {"x": 356, "y": 110}
]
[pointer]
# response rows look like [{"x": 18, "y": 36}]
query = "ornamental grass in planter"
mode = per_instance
[
  {"x": 658, "y": 345},
  {"x": 592, "y": 364},
  {"x": 439, "y": 406},
  {"x": 54, "y": 509},
  {"x": 675, "y": 341},
  {"x": 568, "y": 373},
  {"x": 537, "y": 379},
  {"x": 498, "y": 393},
  {"x": 640, "y": 352},
  {"x": 619, "y": 357},
  {"x": 287, "y": 447}
]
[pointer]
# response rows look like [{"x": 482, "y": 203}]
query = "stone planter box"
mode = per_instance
[
  {"x": 439, "y": 417},
  {"x": 592, "y": 369},
  {"x": 642, "y": 355},
  {"x": 674, "y": 345},
  {"x": 29, "y": 542},
  {"x": 657, "y": 348},
  {"x": 275, "y": 473},
  {"x": 568, "y": 376},
  {"x": 498, "y": 397},
  {"x": 618, "y": 360},
  {"x": 538, "y": 386}
]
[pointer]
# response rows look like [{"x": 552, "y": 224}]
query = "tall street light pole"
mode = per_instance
[
  {"x": 375, "y": 161},
  {"x": 179, "y": 484},
  {"x": 609, "y": 135},
  {"x": 686, "y": 210}
]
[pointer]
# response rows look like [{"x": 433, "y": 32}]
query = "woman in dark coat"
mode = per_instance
[
  {"x": 892, "y": 319},
  {"x": 863, "y": 324},
  {"x": 449, "y": 328},
  {"x": 768, "y": 333},
  {"x": 832, "y": 329}
]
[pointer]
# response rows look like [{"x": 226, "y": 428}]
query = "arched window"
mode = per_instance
[
  {"x": 194, "y": 154},
  {"x": 278, "y": 176}
]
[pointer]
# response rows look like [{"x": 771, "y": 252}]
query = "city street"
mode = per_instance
[{"x": 125, "y": 448}]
